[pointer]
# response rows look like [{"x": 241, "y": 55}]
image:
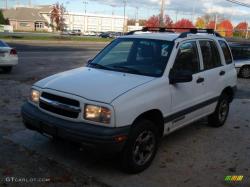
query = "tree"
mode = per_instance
[
  {"x": 225, "y": 28},
  {"x": 154, "y": 21},
  {"x": 183, "y": 23},
  {"x": 168, "y": 21},
  {"x": 211, "y": 25},
  {"x": 241, "y": 29},
  {"x": 3, "y": 21},
  {"x": 200, "y": 23},
  {"x": 56, "y": 17},
  {"x": 131, "y": 21}
]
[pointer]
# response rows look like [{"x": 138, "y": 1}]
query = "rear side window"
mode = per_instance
[
  {"x": 187, "y": 58},
  {"x": 226, "y": 52},
  {"x": 210, "y": 54}
]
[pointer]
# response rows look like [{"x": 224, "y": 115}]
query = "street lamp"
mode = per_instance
[{"x": 85, "y": 6}]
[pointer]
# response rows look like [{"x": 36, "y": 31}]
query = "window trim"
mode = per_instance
[{"x": 218, "y": 49}]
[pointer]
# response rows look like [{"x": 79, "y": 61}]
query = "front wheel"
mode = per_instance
[
  {"x": 141, "y": 147},
  {"x": 219, "y": 117}
]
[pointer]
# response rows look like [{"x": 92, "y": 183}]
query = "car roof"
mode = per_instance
[{"x": 169, "y": 36}]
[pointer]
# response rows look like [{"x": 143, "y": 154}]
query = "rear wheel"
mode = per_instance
[
  {"x": 219, "y": 117},
  {"x": 7, "y": 69},
  {"x": 245, "y": 72},
  {"x": 141, "y": 147}
]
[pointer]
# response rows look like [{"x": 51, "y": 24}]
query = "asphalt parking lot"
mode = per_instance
[{"x": 196, "y": 155}]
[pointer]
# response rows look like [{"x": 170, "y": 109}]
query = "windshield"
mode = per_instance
[
  {"x": 136, "y": 56},
  {"x": 3, "y": 44}
]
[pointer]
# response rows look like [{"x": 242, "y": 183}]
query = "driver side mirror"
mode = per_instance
[{"x": 180, "y": 76}]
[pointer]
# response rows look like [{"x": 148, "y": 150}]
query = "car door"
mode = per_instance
[
  {"x": 214, "y": 70},
  {"x": 187, "y": 96}
]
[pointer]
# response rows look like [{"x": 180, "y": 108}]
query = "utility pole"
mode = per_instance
[
  {"x": 30, "y": 3},
  {"x": 85, "y": 6},
  {"x": 162, "y": 13},
  {"x": 124, "y": 16},
  {"x": 247, "y": 31},
  {"x": 6, "y": 4},
  {"x": 215, "y": 21}
]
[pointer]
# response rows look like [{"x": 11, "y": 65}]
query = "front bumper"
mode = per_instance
[{"x": 97, "y": 137}]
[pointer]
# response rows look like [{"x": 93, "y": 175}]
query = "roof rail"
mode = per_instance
[
  {"x": 152, "y": 29},
  {"x": 172, "y": 30},
  {"x": 196, "y": 31}
]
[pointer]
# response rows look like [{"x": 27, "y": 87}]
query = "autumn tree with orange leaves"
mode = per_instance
[
  {"x": 211, "y": 25},
  {"x": 56, "y": 17},
  {"x": 183, "y": 23},
  {"x": 200, "y": 23},
  {"x": 154, "y": 21},
  {"x": 225, "y": 28},
  {"x": 241, "y": 29}
]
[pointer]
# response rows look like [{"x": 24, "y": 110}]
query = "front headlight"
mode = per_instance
[
  {"x": 35, "y": 96},
  {"x": 97, "y": 114}
]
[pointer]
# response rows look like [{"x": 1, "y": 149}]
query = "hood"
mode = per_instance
[{"x": 93, "y": 84}]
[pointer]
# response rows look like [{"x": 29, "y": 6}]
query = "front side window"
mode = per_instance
[
  {"x": 136, "y": 56},
  {"x": 226, "y": 52},
  {"x": 210, "y": 54},
  {"x": 187, "y": 58}
]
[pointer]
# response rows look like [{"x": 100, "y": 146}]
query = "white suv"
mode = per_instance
[{"x": 136, "y": 90}]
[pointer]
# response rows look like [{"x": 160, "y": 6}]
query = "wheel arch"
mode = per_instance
[
  {"x": 155, "y": 116},
  {"x": 230, "y": 91}
]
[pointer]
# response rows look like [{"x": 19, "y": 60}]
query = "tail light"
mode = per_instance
[{"x": 13, "y": 52}]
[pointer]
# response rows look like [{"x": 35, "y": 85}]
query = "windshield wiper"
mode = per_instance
[
  {"x": 99, "y": 66},
  {"x": 127, "y": 69}
]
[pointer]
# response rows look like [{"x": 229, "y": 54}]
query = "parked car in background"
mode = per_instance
[
  {"x": 241, "y": 55},
  {"x": 76, "y": 33},
  {"x": 110, "y": 34},
  {"x": 8, "y": 57}
]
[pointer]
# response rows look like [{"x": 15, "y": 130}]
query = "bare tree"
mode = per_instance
[{"x": 56, "y": 17}]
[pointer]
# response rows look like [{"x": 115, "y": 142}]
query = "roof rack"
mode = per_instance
[{"x": 172, "y": 30}]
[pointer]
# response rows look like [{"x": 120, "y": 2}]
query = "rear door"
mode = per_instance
[{"x": 214, "y": 70}]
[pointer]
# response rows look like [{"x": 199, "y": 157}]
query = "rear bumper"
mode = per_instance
[
  {"x": 8, "y": 62},
  {"x": 101, "y": 138}
]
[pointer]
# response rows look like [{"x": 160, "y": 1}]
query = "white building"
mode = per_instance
[{"x": 94, "y": 22}]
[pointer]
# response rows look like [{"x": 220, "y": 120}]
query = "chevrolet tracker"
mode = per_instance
[{"x": 139, "y": 88}]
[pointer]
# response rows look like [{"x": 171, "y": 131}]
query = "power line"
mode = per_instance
[{"x": 239, "y": 3}]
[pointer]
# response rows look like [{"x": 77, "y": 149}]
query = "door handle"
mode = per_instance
[
  {"x": 200, "y": 80},
  {"x": 222, "y": 73}
]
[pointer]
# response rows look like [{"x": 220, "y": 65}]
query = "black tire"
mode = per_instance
[
  {"x": 245, "y": 72},
  {"x": 131, "y": 160},
  {"x": 219, "y": 117},
  {"x": 7, "y": 69}
]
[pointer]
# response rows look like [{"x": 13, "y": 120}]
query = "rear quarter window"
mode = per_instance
[{"x": 226, "y": 52}]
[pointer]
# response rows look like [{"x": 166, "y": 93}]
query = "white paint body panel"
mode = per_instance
[{"x": 129, "y": 96}]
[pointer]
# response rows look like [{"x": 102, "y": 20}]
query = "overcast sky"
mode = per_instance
[{"x": 177, "y": 9}]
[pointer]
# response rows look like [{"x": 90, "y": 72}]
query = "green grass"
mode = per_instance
[{"x": 55, "y": 38}]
